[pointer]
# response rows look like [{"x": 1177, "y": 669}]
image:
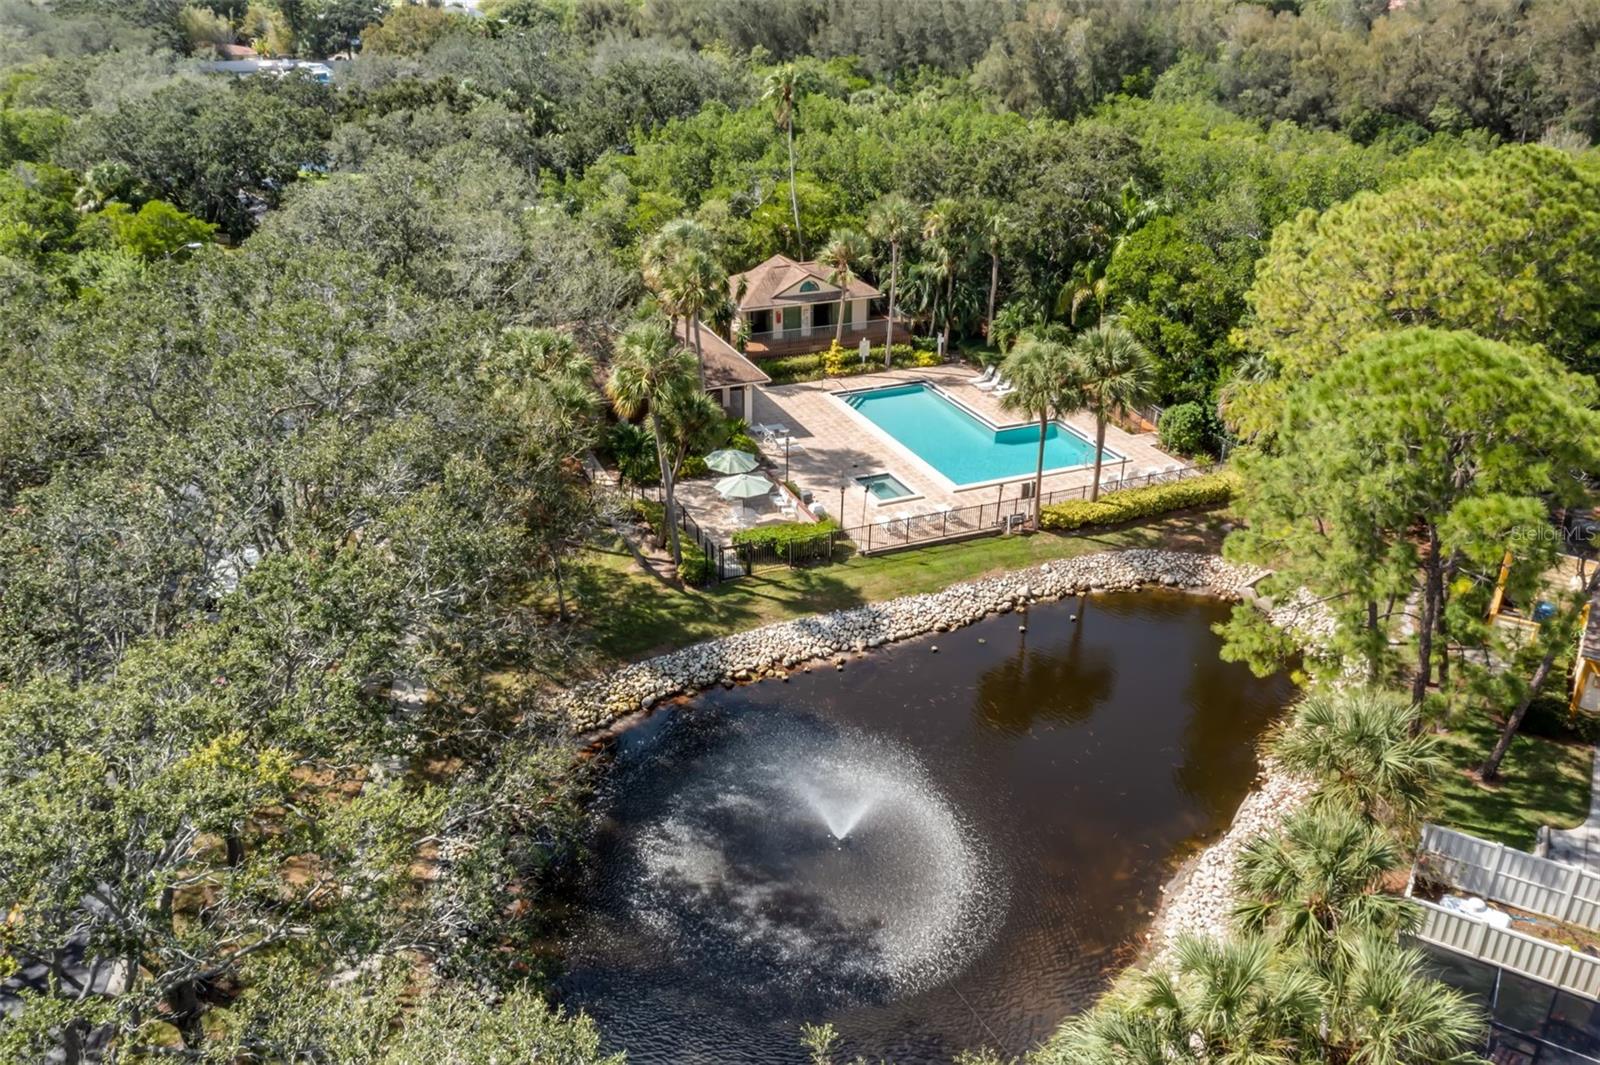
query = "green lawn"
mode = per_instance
[
  {"x": 1542, "y": 782},
  {"x": 629, "y": 614}
]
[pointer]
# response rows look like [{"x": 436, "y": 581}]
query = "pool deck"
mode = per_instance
[{"x": 832, "y": 445}]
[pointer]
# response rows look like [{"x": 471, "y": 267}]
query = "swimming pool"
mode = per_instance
[
  {"x": 962, "y": 447},
  {"x": 884, "y": 486}
]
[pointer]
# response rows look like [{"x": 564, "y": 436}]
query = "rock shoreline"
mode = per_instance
[
  {"x": 774, "y": 650},
  {"x": 1200, "y": 899}
]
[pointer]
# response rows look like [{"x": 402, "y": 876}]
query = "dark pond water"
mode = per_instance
[{"x": 932, "y": 851}]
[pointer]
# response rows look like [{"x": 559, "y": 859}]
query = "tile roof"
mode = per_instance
[
  {"x": 763, "y": 284},
  {"x": 725, "y": 367}
]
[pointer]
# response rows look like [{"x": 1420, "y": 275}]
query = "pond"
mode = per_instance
[{"x": 932, "y": 851}]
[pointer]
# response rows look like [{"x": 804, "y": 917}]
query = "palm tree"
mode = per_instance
[
  {"x": 1040, "y": 372},
  {"x": 1386, "y": 1010},
  {"x": 679, "y": 265},
  {"x": 996, "y": 232},
  {"x": 1315, "y": 886},
  {"x": 669, "y": 244},
  {"x": 1360, "y": 747},
  {"x": 1112, "y": 223},
  {"x": 1243, "y": 1002},
  {"x": 845, "y": 248},
  {"x": 542, "y": 370},
  {"x": 1225, "y": 1002},
  {"x": 694, "y": 284},
  {"x": 544, "y": 386},
  {"x": 649, "y": 373},
  {"x": 782, "y": 88},
  {"x": 1116, "y": 373},
  {"x": 892, "y": 221},
  {"x": 939, "y": 229}
]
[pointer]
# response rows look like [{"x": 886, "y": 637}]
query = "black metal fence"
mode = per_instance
[
  {"x": 1000, "y": 515},
  {"x": 712, "y": 562},
  {"x": 720, "y": 562}
]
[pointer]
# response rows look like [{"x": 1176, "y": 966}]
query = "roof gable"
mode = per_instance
[{"x": 782, "y": 280}]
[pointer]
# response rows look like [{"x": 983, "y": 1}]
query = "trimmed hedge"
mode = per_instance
[
  {"x": 1131, "y": 504},
  {"x": 781, "y": 535},
  {"x": 790, "y": 369}
]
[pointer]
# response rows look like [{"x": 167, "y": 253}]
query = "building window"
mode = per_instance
[{"x": 808, "y": 286}]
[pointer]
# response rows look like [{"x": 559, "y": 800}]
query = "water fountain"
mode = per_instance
[
  {"x": 840, "y": 804},
  {"x": 806, "y": 863},
  {"x": 933, "y": 852}
]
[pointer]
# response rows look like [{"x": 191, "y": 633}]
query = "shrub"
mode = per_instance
[
  {"x": 781, "y": 535},
  {"x": 846, "y": 362},
  {"x": 693, "y": 569},
  {"x": 838, "y": 361},
  {"x": 633, "y": 449},
  {"x": 1130, "y": 504},
  {"x": 792, "y": 368},
  {"x": 649, "y": 512},
  {"x": 1187, "y": 429}
]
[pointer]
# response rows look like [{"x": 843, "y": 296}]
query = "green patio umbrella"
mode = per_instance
[
  {"x": 743, "y": 486},
  {"x": 728, "y": 460}
]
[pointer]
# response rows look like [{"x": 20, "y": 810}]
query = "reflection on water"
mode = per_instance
[{"x": 1010, "y": 808}]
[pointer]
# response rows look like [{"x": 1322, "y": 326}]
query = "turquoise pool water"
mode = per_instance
[
  {"x": 960, "y": 446},
  {"x": 884, "y": 486}
]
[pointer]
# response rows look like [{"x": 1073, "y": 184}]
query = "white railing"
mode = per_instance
[
  {"x": 1538, "y": 959},
  {"x": 822, "y": 331},
  {"x": 1566, "y": 893}
]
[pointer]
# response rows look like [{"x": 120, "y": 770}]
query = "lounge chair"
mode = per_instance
[
  {"x": 997, "y": 382},
  {"x": 987, "y": 375},
  {"x": 1004, "y": 389}
]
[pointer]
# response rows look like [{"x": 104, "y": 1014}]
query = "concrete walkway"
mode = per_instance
[{"x": 1581, "y": 845}]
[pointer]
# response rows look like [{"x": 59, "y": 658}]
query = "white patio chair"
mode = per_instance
[
  {"x": 987, "y": 375},
  {"x": 997, "y": 382}
]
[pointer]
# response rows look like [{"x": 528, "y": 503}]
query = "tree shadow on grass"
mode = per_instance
[
  {"x": 1542, "y": 781},
  {"x": 628, "y": 615}
]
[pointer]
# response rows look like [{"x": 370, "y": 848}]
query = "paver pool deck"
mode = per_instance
[{"x": 832, "y": 445}]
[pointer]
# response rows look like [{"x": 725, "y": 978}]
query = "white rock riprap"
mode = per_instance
[
  {"x": 1202, "y": 900},
  {"x": 826, "y": 638}
]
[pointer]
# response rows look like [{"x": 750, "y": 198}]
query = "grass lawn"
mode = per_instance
[
  {"x": 629, "y": 614},
  {"x": 1542, "y": 782}
]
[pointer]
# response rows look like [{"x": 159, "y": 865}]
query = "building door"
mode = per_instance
[{"x": 791, "y": 322}]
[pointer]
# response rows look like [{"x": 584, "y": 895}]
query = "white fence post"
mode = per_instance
[
  {"x": 1499, "y": 862},
  {"x": 1572, "y": 894}
]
